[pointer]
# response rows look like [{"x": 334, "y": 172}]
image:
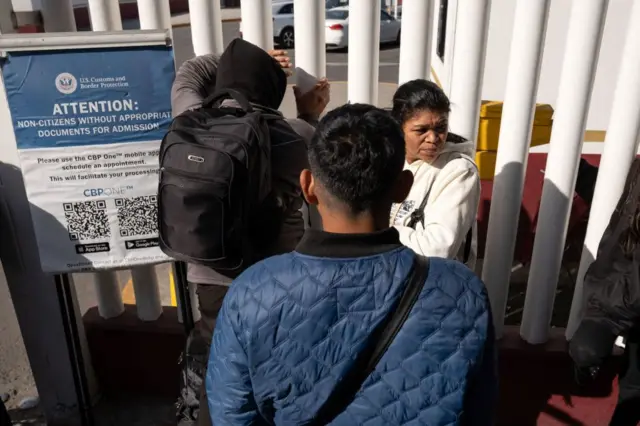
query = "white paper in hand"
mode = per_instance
[{"x": 305, "y": 81}]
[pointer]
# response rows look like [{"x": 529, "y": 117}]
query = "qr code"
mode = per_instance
[
  {"x": 87, "y": 220},
  {"x": 137, "y": 215}
]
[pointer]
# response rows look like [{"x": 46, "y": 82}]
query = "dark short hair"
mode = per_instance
[
  {"x": 357, "y": 153},
  {"x": 419, "y": 95}
]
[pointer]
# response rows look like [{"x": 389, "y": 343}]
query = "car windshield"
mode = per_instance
[{"x": 337, "y": 14}]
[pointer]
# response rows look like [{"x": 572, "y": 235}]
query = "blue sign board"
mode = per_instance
[{"x": 88, "y": 124}]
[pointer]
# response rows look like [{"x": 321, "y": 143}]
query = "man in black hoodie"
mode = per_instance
[
  {"x": 258, "y": 76},
  {"x": 612, "y": 296}
]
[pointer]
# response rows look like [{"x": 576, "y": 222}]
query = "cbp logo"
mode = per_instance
[
  {"x": 97, "y": 192},
  {"x": 66, "y": 83}
]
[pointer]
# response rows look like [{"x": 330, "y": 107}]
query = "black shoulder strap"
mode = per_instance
[
  {"x": 467, "y": 245},
  {"x": 378, "y": 343},
  {"x": 417, "y": 216}
]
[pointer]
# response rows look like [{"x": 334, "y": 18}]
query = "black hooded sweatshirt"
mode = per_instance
[
  {"x": 611, "y": 284},
  {"x": 251, "y": 71}
]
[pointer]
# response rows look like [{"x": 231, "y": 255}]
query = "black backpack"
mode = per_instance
[{"x": 215, "y": 172}]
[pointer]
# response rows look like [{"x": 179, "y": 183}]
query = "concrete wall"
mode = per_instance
[{"x": 499, "y": 42}]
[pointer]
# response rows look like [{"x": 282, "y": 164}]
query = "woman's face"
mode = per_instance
[{"x": 425, "y": 134}]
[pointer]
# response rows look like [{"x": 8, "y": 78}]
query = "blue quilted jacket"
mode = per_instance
[{"x": 292, "y": 325}]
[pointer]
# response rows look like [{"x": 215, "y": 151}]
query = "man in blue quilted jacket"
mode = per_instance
[{"x": 291, "y": 326}]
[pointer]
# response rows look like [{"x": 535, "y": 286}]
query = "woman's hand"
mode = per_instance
[
  {"x": 315, "y": 100},
  {"x": 282, "y": 56}
]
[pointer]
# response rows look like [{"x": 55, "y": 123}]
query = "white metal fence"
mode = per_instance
[{"x": 582, "y": 49}]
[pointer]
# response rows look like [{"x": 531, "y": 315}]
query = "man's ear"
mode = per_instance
[
  {"x": 402, "y": 187},
  {"x": 308, "y": 186}
]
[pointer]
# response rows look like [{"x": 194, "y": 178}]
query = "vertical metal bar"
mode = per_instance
[
  {"x": 147, "y": 292},
  {"x": 472, "y": 28},
  {"x": 57, "y": 16},
  {"x": 416, "y": 38},
  {"x": 257, "y": 23},
  {"x": 311, "y": 54},
  {"x": 206, "y": 27},
  {"x": 364, "y": 51},
  {"x": 586, "y": 25},
  {"x": 620, "y": 147},
  {"x": 105, "y": 15},
  {"x": 154, "y": 15},
  {"x": 525, "y": 60}
]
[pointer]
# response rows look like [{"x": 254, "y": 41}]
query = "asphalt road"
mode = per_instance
[{"x": 15, "y": 373}]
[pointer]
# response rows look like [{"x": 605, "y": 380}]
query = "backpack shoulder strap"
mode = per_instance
[
  {"x": 467, "y": 245},
  {"x": 211, "y": 100},
  {"x": 417, "y": 216},
  {"x": 378, "y": 343}
]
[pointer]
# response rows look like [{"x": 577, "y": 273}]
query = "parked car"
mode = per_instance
[
  {"x": 282, "y": 12},
  {"x": 337, "y": 28},
  {"x": 336, "y": 25},
  {"x": 283, "y": 33},
  {"x": 283, "y": 24}
]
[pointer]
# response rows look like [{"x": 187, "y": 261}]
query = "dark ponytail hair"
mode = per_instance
[{"x": 419, "y": 95}]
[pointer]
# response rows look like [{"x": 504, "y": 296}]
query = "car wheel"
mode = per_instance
[{"x": 287, "y": 38}]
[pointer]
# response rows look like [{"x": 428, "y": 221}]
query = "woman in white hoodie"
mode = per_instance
[{"x": 438, "y": 217}]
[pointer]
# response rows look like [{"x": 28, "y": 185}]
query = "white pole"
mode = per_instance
[
  {"x": 206, "y": 27},
  {"x": 105, "y": 15},
  {"x": 529, "y": 30},
  {"x": 257, "y": 23},
  {"x": 147, "y": 292},
  {"x": 620, "y": 147},
  {"x": 416, "y": 38},
  {"x": 57, "y": 16},
  {"x": 154, "y": 15},
  {"x": 364, "y": 51},
  {"x": 468, "y": 66},
  {"x": 109, "y": 294},
  {"x": 311, "y": 53},
  {"x": 576, "y": 81},
  {"x": 395, "y": 7}
]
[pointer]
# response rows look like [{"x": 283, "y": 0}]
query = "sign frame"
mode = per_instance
[
  {"x": 70, "y": 41},
  {"x": 86, "y": 41}
]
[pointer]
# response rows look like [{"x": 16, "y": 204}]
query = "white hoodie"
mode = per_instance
[{"x": 453, "y": 185}]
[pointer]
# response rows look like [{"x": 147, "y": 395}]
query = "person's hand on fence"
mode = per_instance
[{"x": 282, "y": 56}]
